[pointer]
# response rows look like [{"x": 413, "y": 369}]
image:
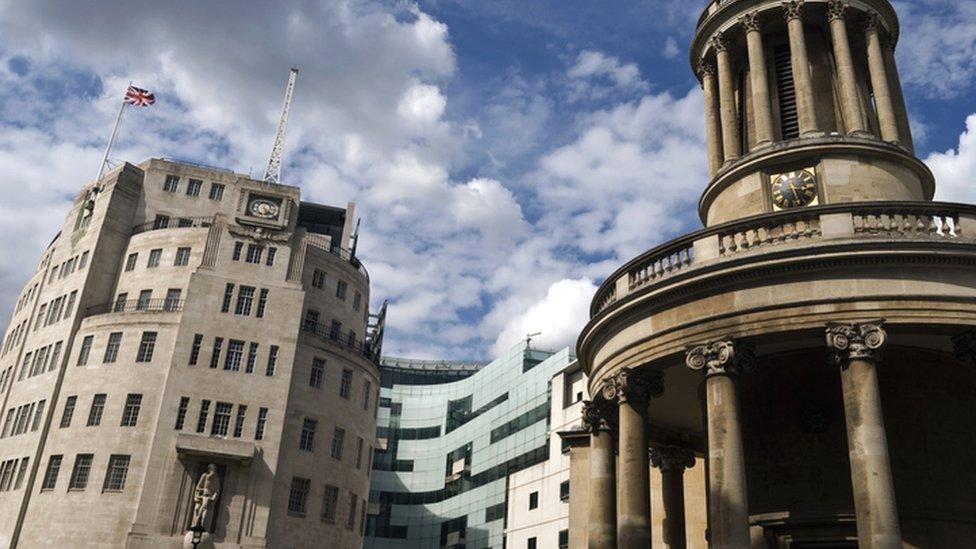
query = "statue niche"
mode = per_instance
[{"x": 205, "y": 494}]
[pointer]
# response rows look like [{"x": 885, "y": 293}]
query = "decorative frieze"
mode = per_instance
[
  {"x": 855, "y": 341},
  {"x": 715, "y": 358},
  {"x": 672, "y": 458}
]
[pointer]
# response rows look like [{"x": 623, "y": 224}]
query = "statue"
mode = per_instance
[{"x": 205, "y": 495}]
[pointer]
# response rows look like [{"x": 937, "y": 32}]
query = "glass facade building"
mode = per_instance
[{"x": 449, "y": 435}]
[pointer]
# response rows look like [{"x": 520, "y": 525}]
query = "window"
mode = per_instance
[
  {"x": 245, "y": 297},
  {"x": 353, "y": 502},
  {"x": 184, "y": 222},
  {"x": 357, "y": 301},
  {"x": 193, "y": 187},
  {"x": 86, "y": 345},
  {"x": 69, "y": 411},
  {"x": 130, "y": 262},
  {"x": 8, "y": 423},
  {"x": 174, "y": 297},
  {"x": 83, "y": 261},
  {"x": 216, "y": 191},
  {"x": 238, "y": 247},
  {"x": 202, "y": 420},
  {"x": 259, "y": 426},
  {"x": 318, "y": 279},
  {"x": 182, "y": 257},
  {"x": 335, "y": 330},
  {"x": 79, "y": 475},
  {"x": 215, "y": 355},
  {"x": 564, "y": 539},
  {"x": 272, "y": 360},
  {"x": 533, "y": 500},
  {"x": 71, "y": 303},
  {"x": 564, "y": 490},
  {"x": 228, "y": 295},
  {"x": 51, "y": 474},
  {"x": 145, "y": 300},
  {"x": 345, "y": 384},
  {"x": 112, "y": 347},
  {"x": 254, "y": 253},
  {"x": 171, "y": 184},
  {"x": 235, "y": 352},
  {"x": 311, "y": 321},
  {"x": 318, "y": 373},
  {"x": 120, "y": 301},
  {"x": 531, "y": 543},
  {"x": 95, "y": 413},
  {"x": 252, "y": 356},
  {"x": 262, "y": 303},
  {"x": 329, "y": 503},
  {"x": 239, "y": 422},
  {"x": 154, "y": 257},
  {"x": 181, "y": 413},
  {"x": 118, "y": 469},
  {"x": 40, "y": 316},
  {"x": 146, "y": 347},
  {"x": 55, "y": 356},
  {"x": 130, "y": 414},
  {"x": 298, "y": 497},
  {"x": 307, "y": 441},
  {"x": 221, "y": 420},
  {"x": 38, "y": 414},
  {"x": 21, "y": 473},
  {"x": 195, "y": 349},
  {"x": 337, "y": 438},
  {"x": 160, "y": 222},
  {"x": 367, "y": 389},
  {"x": 272, "y": 252},
  {"x": 359, "y": 452},
  {"x": 341, "y": 287}
]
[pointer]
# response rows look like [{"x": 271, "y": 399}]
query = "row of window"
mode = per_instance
[
  {"x": 221, "y": 425},
  {"x": 298, "y": 504},
  {"x": 255, "y": 254},
  {"x": 245, "y": 300},
  {"x": 130, "y": 412},
  {"x": 23, "y": 418},
  {"x": 147, "y": 345},
  {"x": 235, "y": 357},
  {"x": 55, "y": 310},
  {"x": 6, "y": 377},
  {"x": 342, "y": 287},
  {"x": 115, "y": 474},
  {"x": 69, "y": 266},
  {"x": 14, "y": 336},
  {"x": 180, "y": 259},
  {"x": 172, "y": 302},
  {"x": 40, "y": 361},
  {"x": 193, "y": 187},
  {"x": 306, "y": 443},
  {"x": 27, "y": 297},
  {"x": 311, "y": 324},
  {"x": 12, "y": 473},
  {"x": 316, "y": 380}
]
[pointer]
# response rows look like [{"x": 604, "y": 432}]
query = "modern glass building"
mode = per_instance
[{"x": 449, "y": 436}]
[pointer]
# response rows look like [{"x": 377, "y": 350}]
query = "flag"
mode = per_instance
[{"x": 139, "y": 97}]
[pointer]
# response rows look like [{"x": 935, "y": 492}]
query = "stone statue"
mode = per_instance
[{"x": 205, "y": 495}]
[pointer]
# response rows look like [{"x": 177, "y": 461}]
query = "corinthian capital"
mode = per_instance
[
  {"x": 717, "y": 358},
  {"x": 720, "y": 42},
  {"x": 857, "y": 341},
  {"x": 871, "y": 22},
  {"x": 637, "y": 385},
  {"x": 596, "y": 416},
  {"x": 672, "y": 458},
  {"x": 837, "y": 9},
  {"x": 964, "y": 346},
  {"x": 750, "y": 22},
  {"x": 705, "y": 68},
  {"x": 792, "y": 9}
]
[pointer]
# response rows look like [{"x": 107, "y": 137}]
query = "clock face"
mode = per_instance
[
  {"x": 264, "y": 208},
  {"x": 794, "y": 189}
]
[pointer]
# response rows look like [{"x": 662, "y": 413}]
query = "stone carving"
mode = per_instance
[
  {"x": 672, "y": 458},
  {"x": 856, "y": 341},
  {"x": 634, "y": 385},
  {"x": 205, "y": 495},
  {"x": 837, "y": 9},
  {"x": 792, "y": 9},
  {"x": 718, "y": 358},
  {"x": 258, "y": 233},
  {"x": 871, "y": 22},
  {"x": 964, "y": 346},
  {"x": 750, "y": 22},
  {"x": 596, "y": 416},
  {"x": 720, "y": 42}
]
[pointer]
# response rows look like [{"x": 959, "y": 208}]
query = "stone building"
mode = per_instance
[
  {"x": 813, "y": 343},
  {"x": 186, "y": 316}
]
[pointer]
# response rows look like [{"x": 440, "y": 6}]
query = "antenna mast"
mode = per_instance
[{"x": 273, "y": 173}]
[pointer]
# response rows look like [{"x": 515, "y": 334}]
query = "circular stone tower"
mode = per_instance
[{"x": 813, "y": 343}]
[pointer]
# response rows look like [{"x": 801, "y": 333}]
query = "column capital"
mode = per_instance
[
  {"x": 792, "y": 9},
  {"x": 964, "y": 346},
  {"x": 871, "y": 22},
  {"x": 672, "y": 458},
  {"x": 637, "y": 385},
  {"x": 705, "y": 68},
  {"x": 596, "y": 416},
  {"x": 716, "y": 358},
  {"x": 888, "y": 43},
  {"x": 720, "y": 42},
  {"x": 750, "y": 22},
  {"x": 853, "y": 341},
  {"x": 837, "y": 9}
]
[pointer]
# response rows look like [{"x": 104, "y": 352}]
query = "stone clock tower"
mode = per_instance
[{"x": 811, "y": 348}]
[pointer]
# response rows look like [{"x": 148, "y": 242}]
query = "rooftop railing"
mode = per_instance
[
  {"x": 338, "y": 339},
  {"x": 164, "y": 305},
  {"x": 342, "y": 254}
]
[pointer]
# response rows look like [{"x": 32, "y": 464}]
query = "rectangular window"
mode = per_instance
[
  {"x": 564, "y": 490},
  {"x": 193, "y": 187},
  {"x": 564, "y": 539},
  {"x": 239, "y": 422},
  {"x": 154, "y": 257},
  {"x": 95, "y": 412},
  {"x": 359, "y": 452},
  {"x": 298, "y": 497},
  {"x": 161, "y": 222},
  {"x": 112, "y": 347},
  {"x": 40, "y": 316},
  {"x": 72, "y": 297},
  {"x": 21, "y": 473},
  {"x": 181, "y": 413},
  {"x": 51, "y": 474},
  {"x": 69, "y": 411},
  {"x": 195, "y": 349},
  {"x": 228, "y": 296},
  {"x": 182, "y": 257},
  {"x": 174, "y": 299},
  {"x": 318, "y": 279},
  {"x": 238, "y": 248},
  {"x": 120, "y": 301},
  {"x": 146, "y": 347},
  {"x": 329, "y": 503},
  {"x": 171, "y": 184},
  {"x": 357, "y": 301},
  {"x": 533, "y": 500},
  {"x": 130, "y": 262},
  {"x": 341, "y": 287},
  {"x": 345, "y": 384},
  {"x": 367, "y": 390},
  {"x": 145, "y": 300},
  {"x": 307, "y": 441},
  {"x": 272, "y": 252},
  {"x": 337, "y": 438},
  {"x": 259, "y": 426},
  {"x": 235, "y": 354},
  {"x": 353, "y": 502},
  {"x": 86, "y": 345},
  {"x": 317, "y": 374},
  {"x": 130, "y": 414},
  {"x": 216, "y": 191},
  {"x": 532, "y": 544},
  {"x": 79, "y": 475},
  {"x": 118, "y": 469},
  {"x": 254, "y": 253},
  {"x": 38, "y": 414},
  {"x": 335, "y": 330},
  {"x": 783, "y": 73},
  {"x": 184, "y": 222},
  {"x": 202, "y": 420},
  {"x": 83, "y": 261},
  {"x": 215, "y": 355},
  {"x": 262, "y": 303},
  {"x": 8, "y": 423},
  {"x": 272, "y": 360},
  {"x": 245, "y": 297},
  {"x": 252, "y": 356},
  {"x": 221, "y": 420}
]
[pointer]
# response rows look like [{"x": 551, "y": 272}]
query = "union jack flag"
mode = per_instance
[{"x": 139, "y": 97}]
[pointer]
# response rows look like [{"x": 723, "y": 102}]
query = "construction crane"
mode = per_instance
[{"x": 273, "y": 173}]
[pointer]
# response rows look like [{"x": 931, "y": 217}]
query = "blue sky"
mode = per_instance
[{"x": 505, "y": 155}]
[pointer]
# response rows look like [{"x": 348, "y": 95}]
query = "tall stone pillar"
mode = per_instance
[
  {"x": 632, "y": 390},
  {"x": 802, "y": 80},
  {"x": 856, "y": 348},
  {"x": 762, "y": 107},
  {"x": 897, "y": 95},
  {"x": 846, "y": 76},
  {"x": 728, "y": 500},
  {"x": 731, "y": 145},
  {"x": 601, "y": 532},
  {"x": 879, "y": 80},
  {"x": 672, "y": 461},
  {"x": 713, "y": 129}
]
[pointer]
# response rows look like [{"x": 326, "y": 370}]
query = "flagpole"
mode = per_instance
[{"x": 111, "y": 140}]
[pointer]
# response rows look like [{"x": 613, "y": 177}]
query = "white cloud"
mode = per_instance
[
  {"x": 596, "y": 75},
  {"x": 671, "y": 50},
  {"x": 954, "y": 168},
  {"x": 941, "y": 58},
  {"x": 559, "y": 316}
]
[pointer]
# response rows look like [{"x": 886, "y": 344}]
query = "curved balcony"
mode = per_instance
[
  {"x": 341, "y": 253},
  {"x": 163, "y": 305},
  {"x": 337, "y": 339}
]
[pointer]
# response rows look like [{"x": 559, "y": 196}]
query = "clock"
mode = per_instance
[
  {"x": 264, "y": 208},
  {"x": 793, "y": 189}
]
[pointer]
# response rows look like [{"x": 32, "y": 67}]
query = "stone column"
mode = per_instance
[
  {"x": 672, "y": 461},
  {"x": 879, "y": 80},
  {"x": 728, "y": 500},
  {"x": 726, "y": 92},
  {"x": 713, "y": 130},
  {"x": 601, "y": 532},
  {"x": 802, "y": 80},
  {"x": 632, "y": 390},
  {"x": 760, "y": 79},
  {"x": 856, "y": 348},
  {"x": 846, "y": 76},
  {"x": 897, "y": 97}
]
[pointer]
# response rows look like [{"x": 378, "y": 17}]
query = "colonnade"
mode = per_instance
[{"x": 619, "y": 512}]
